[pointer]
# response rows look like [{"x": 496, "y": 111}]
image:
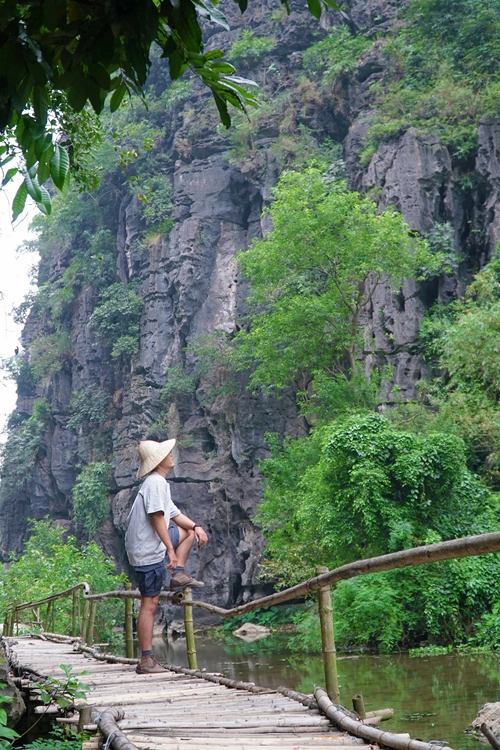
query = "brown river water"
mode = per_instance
[{"x": 434, "y": 698}]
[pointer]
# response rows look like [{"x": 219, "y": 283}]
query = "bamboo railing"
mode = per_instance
[{"x": 321, "y": 583}]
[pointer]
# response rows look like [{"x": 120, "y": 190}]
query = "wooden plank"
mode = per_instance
[{"x": 247, "y": 740}]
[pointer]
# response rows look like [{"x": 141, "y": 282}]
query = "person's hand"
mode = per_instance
[
  {"x": 200, "y": 536},
  {"x": 172, "y": 558}
]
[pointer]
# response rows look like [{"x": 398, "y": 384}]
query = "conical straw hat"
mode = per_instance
[{"x": 151, "y": 454}]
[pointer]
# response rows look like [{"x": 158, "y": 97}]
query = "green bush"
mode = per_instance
[
  {"x": 250, "y": 49},
  {"x": 49, "y": 354},
  {"x": 90, "y": 495},
  {"x": 443, "y": 68},
  {"x": 337, "y": 53},
  {"x": 51, "y": 563},
  {"x": 116, "y": 320},
  {"x": 358, "y": 487},
  {"x": 24, "y": 446},
  {"x": 88, "y": 407},
  {"x": 156, "y": 197}
]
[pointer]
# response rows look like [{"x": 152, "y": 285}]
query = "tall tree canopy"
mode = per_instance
[
  {"x": 57, "y": 57},
  {"x": 314, "y": 275}
]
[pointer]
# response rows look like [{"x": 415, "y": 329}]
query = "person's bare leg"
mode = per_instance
[
  {"x": 179, "y": 578},
  {"x": 145, "y": 621},
  {"x": 186, "y": 539}
]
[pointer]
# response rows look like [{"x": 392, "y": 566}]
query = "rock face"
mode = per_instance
[{"x": 189, "y": 281}]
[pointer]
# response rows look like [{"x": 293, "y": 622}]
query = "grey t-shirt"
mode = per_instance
[{"x": 143, "y": 545}]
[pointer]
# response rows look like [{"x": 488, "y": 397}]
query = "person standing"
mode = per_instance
[{"x": 158, "y": 535}]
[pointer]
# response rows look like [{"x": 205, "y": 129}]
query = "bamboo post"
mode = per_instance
[
  {"x": 358, "y": 705},
  {"x": 189, "y": 628},
  {"x": 6, "y": 627},
  {"x": 73, "y": 614},
  {"x": 47, "y": 616},
  {"x": 129, "y": 625},
  {"x": 11, "y": 618},
  {"x": 85, "y": 617},
  {"x": 15, "y": 619},
  {"x": 328, "y": 639},
  {"x": 85, "y": 716},
  {"x": 5, "y": 630},
  {"x": 90, "y": 632}
]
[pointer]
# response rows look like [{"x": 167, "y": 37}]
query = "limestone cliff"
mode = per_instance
[{"x": 188, "y": 280}]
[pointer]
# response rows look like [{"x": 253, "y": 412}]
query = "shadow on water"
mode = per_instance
[{"x": 434, "y": 698}]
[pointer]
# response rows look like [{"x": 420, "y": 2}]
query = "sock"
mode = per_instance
[
  {"x": 179, "y": 569},
  {"x": 147, "y": 653}
]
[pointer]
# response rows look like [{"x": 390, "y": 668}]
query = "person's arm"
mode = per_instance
[
  {"x": 160, "y": 526},
  {"x": 187, "y": 523}
]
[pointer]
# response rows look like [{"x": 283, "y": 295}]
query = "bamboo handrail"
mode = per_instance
[
  {"x": 53, "y": 597},
  {"x": 469, "y": 546}
]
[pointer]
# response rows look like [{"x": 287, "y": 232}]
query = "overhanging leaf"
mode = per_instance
[
  {"x": 59, "y": 166},
  {"x": 10, "y": 174},
  {"x": 19, "y": 201}
]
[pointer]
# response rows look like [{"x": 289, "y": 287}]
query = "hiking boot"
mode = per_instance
[
  {"x": 182, "y": 580},
  {"x": 149, "y": 665}
]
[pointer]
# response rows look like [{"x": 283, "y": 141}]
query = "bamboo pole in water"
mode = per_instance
[
  {"x": 358, "y": 705},
  {"x": 129, "y": 629},
  {"x": 328, "y": 639},
  {"x": 189, "y": 628},
  {"x": 341, "y": 718}
]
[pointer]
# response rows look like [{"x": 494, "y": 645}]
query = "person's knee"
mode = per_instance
[{"x": 149, "y": 603}]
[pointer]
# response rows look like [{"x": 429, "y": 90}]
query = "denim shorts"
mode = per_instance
[{"x": 150, "y": 577}]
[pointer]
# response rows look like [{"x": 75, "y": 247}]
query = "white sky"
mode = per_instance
[{"x": 14, "y": 284}]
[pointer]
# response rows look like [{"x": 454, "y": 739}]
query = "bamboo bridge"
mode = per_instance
[{"x": 188, "y": 707}]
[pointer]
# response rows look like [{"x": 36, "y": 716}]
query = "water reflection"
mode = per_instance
[{"x": 434, "y": 698}]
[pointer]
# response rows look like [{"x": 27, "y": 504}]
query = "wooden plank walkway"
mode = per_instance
[{"x": 173, "y": 711}]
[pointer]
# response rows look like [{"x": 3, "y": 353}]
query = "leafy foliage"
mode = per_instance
[
  {"x": 116, "y": 320},
  {"x": 337, "y": 53},
  {"x": 443, "y": 60},
  {"x": 59, "y": 59},
  {"x": 358, "y": 487},
  {"x": 24, "y": 447},
  {"x": 313, "y": 276},
  {"x": 250, "y": 49},
  {"x": 461, "y": 341},
  {"x": 90, "y": 495},
  {"x": 63, "y": 692},
  {"x": 51, "y": 563},
  {"x": 50, "y": 354},
  {"x": 7, "y": 735}
]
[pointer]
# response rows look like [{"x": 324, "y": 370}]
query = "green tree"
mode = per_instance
[
  {"x": 314, "y": 275},
  {"x": 58, "y": 57}
]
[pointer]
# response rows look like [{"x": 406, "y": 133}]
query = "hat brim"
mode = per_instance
[{"x": 150, "y": 462}]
